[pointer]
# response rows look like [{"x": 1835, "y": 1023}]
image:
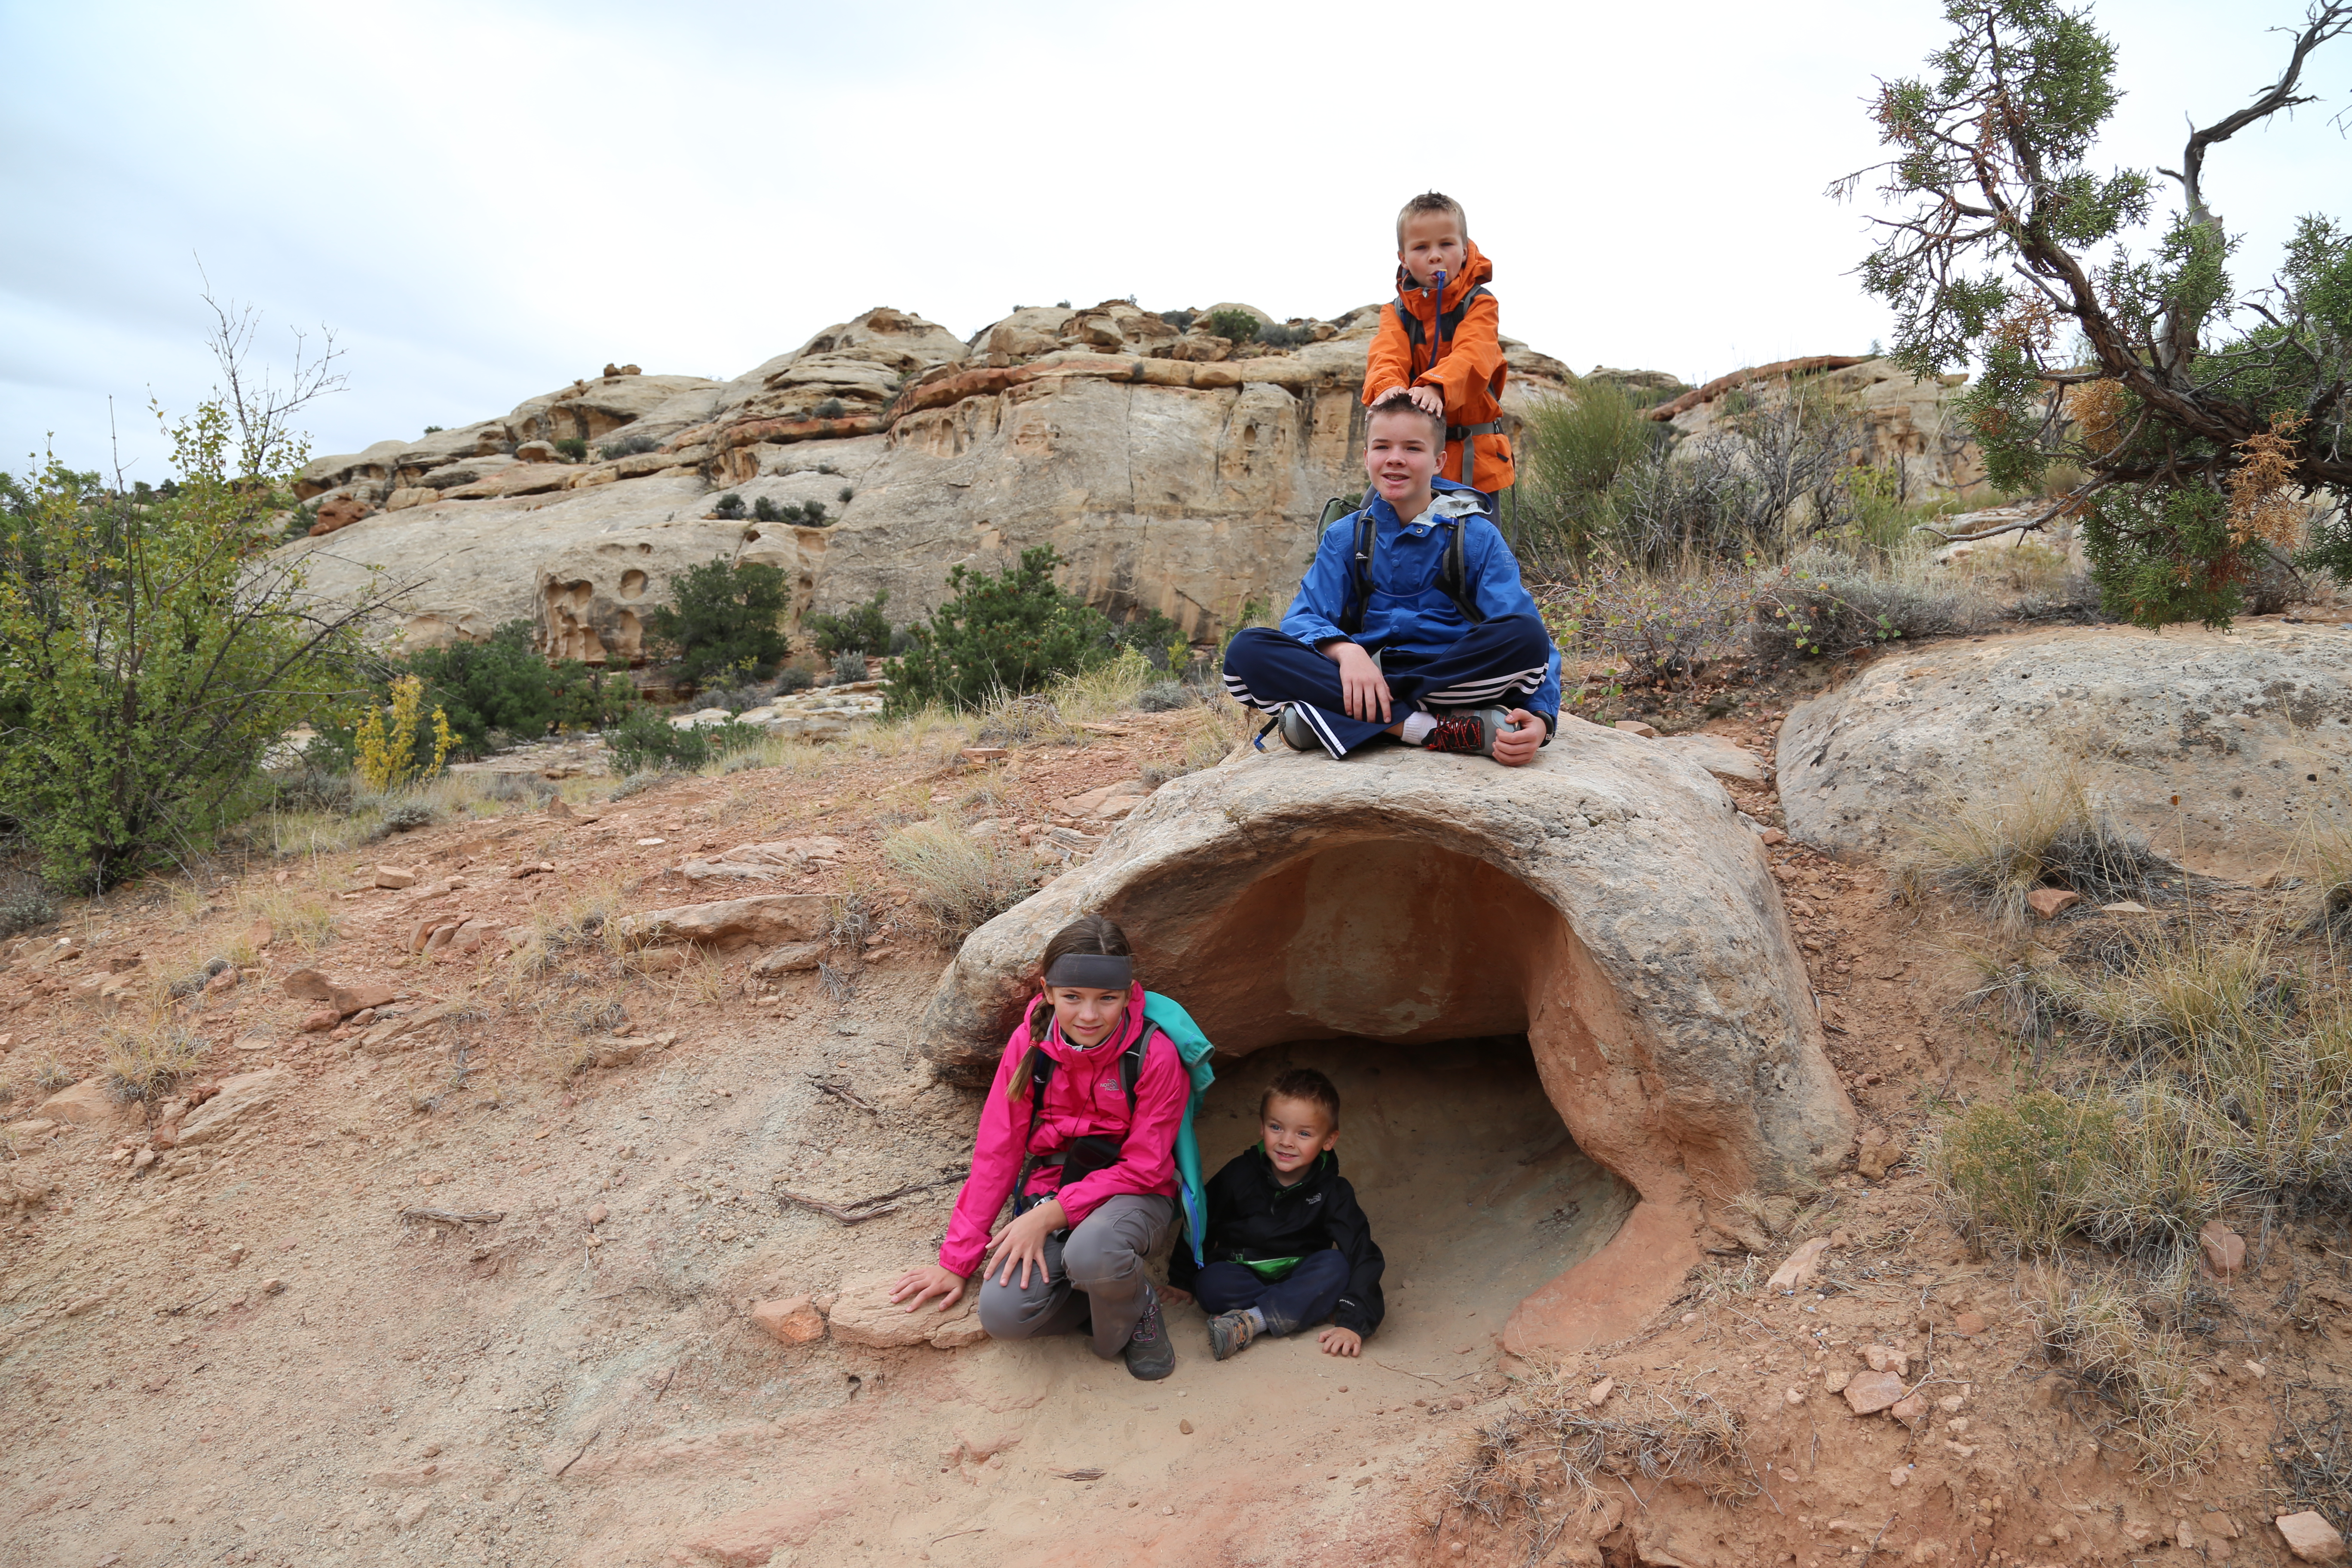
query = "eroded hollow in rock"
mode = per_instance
[
  {"x": 1476, "y": 1192},
  {"x": 1605, "y": 905}
]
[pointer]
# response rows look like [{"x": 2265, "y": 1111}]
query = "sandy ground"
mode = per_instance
[{"x": 542, "y": 1389}]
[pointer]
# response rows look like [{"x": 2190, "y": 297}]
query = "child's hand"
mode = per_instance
[
  {"x": 1430, "y": 401},
  {"x": 1021, "y": 1244},
  {"x": 1518, "y": 747},
  {"x": 1365, "y": 692},
  {"x": 1337, "y": 1340},
  {"x": 1175, "y": 1295},
  {"x": 920, "y": 1283}
]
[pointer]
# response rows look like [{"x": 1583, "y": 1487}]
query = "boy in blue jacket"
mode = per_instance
[{"x": 1412, "y": 620}]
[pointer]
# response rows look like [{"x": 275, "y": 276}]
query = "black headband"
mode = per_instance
[{"x": 1092, "y": 971}]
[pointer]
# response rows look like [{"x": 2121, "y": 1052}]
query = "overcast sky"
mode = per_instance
[{"x": 486, "y": 200}]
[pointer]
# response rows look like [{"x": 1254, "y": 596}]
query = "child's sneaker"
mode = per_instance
[
  {"x": 1297, "y": 732},
  {"x": 1149, "y": 1355},
  {"x": 1228, "y": 1333},
  {"x": 1472, "y": 733}
]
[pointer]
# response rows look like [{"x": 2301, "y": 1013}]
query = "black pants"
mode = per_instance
[{"x": 1497, "y": 664}]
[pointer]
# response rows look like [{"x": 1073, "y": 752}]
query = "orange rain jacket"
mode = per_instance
[{"x": 1468, "y": 375}]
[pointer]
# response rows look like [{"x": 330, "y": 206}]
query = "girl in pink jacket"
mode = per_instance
[{"x": 1088, "y": 1157}]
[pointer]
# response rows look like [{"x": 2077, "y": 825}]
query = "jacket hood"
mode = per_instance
[
  {"x": 1131, "y": 1022},
  {"x": 1475, "y": 269}
]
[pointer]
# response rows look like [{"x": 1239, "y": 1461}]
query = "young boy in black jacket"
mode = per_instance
[{"x": 1286, "y": 1245}]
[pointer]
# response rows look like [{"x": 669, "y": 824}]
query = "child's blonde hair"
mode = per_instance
[
  {"x": 1096, "y": 934},
  {"x": 1431, "y": 202}
]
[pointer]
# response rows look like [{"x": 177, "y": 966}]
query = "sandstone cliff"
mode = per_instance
[{"x": 1175, "y": 472}]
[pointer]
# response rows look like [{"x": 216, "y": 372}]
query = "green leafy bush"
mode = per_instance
[
  {"x": 861, "y": 627},
  {"x": 1239, "y": 326},
  {"x": 808, "y": 512},
  {"x": 831, "y": 408},
  {"x": 646, "y": 743},
  {"x": 1663, "y": 625},
  {"x": 573, "y": 448},
  {"x": 1180, "y": 319},
  {"x": 729, "y": 507},
  {"x": 999, "y": 634},
  {"x": 151, "y": 654},
  {"x": 503, "y": 685},
  {"x": 724, "y": 619}
]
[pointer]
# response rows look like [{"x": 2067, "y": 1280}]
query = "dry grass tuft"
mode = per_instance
[
  {"x": 52, "y": 1075},
  {"x": 2096, "y": 1328},
  {"x": 1539, "y": 1464},
  {"x": 957, "y": 882},
  {"x": 146, "y": 1065},
  {"x": 301, "y": 919},
  {"x": 2044, "y": 833}
]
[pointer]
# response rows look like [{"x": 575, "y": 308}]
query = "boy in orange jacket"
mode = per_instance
[{"x": 1441, "y": 341}]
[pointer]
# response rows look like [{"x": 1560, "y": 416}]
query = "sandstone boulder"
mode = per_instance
[
  {"x": 767, "y": 918},
  {"x": 85, "y": 1104},
  {"x": 863, "y": 1314},
  {"x": 345, "y": 997},
  {"x": 2252, "y": 730},
  {"x": 1606, "y": 902}
]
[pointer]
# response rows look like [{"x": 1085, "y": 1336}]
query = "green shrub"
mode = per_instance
[
  {"x": 831, "y": 408},
  {"x": 1000, "y": 634},
  {"x": 724, "y": 618},
  {"x": 959, "y": 883},
  {"x": 844, "y": 498},
  {"x": 1572, "y": 453},
  {"x": 1180, "y": 319},
  {"x": 433, "y": 429},
  {"x": 1663, "y": 625},
  {"x": 503, "y": 685},
  {"x": 848, "y": 665},
  {"x": 1274, "y": 334},
  {"x": 808, "y": 512},
  {"x": 571, "y": 448},
  {"x": 729, "y": 507},
  {"x": 151, "y": 654},
  {"x": 1239, "y": 326},
  {"x": 646, "y": 743},
  {"x": 2027, "y": 1167},
  {"x": 25, "y": 904}
]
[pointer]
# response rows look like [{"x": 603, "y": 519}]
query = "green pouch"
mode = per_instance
[{"x": 1272, "y": 1271}]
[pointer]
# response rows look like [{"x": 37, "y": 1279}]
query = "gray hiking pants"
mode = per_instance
[{"x": 1097, "y": 1267}]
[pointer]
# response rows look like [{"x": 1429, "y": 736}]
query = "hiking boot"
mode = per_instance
[
  {"x": 1471, "y": 733},
  {"x": 1228, "y": 1333},
  {"x": 1149, "y": 1355},
  {"x": 1297, "y": 732}
]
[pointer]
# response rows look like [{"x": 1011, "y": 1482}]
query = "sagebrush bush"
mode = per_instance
[
  {"x": 1274, "y": 334},
  {"x": 1663, "y": 625},
  {"x": 848, "y": 665},
  {"x": 628, "y": 447},
  {"x": 1574, "y": 451},
  {"x": 830, "y": 408},
  {"x": 729, "y": 507},
  {"x": 573, "y": 448},
  {"x": 25, "y": 903},
  {"x": 724, "y": 618},
  {"x": 1180, "y": 319},
  {"x": 1166, "y": 696},
  {"x": 1822, "y": 602},
  {"x": 648, "y": 742}
]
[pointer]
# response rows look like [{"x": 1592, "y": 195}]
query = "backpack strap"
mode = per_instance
[
  {"x": 1453, "y": 573},
  {"x": 1360, "y": 574},
  {"x": 1448, "y": 321},
  {"x": 1041, "y": 1072}
]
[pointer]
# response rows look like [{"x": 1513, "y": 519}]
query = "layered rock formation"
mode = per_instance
[{"x": 1174, "y": 471}]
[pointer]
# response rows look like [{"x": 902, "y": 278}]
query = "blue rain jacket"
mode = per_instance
[{"x": 1409, "y": 612}]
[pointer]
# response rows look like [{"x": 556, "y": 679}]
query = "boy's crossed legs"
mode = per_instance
[
  {"x": 1284, "y": 1306},
  {"x": 1496, "y": 664}
]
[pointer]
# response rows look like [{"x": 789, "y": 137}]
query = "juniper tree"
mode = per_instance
[{"x": 2205, "y": 417}]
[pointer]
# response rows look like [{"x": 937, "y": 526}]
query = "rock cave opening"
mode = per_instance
[
  {"x": 1607, "y": 920},
  {"x": 1476, "y": 1190}
]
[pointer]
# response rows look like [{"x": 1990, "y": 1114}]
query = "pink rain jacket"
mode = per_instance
[{"x": 1082, "y": 1098}]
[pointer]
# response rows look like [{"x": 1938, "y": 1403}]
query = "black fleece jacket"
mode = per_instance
[{"x": 1253, "y": 1216}]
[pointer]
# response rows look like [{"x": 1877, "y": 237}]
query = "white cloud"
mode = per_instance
[{"x": 485, "y": 201}]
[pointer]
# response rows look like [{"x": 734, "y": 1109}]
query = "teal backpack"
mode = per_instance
[{"x": 1194, "y": 1045}]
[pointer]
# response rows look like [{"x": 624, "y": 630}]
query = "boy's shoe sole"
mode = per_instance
[
  {"x": 1149, "y": 1355},
  {"x": 1297, "y": 732},
  {"x": 1471, "y": 733},
  {"x": 1228, "y": 1333}
]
